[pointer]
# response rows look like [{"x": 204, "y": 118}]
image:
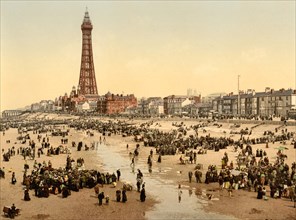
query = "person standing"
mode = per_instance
[
  {"x": 13, "y": 179},
  {"x": 133, "y": 161},
  {"x": 101, "y": 196},
  {"x": 198, "y": 176},
  {"x": 143, "y": 195},
  {"x": 138, "y": 184},
  {"x": 118, "y": 174},
  {"x": 179, "y": 193},
  {"x": 220, "y": 180},
  {"x": 124, "y": 197},
  {"x": 194, "y": 157},
  {"x": 151, "y": 153},
  {"x": 26, "y": 195},
  {"x": 107, "y": 199},
  {"x": 159, "y": 158},
  {"x": 190, "y": 176},
  {"x": 260, "y": 192},
  {"x": 118, "y": 195},
  {"x": 230, "y": 190}
]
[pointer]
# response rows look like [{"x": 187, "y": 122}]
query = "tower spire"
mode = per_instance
[
  {"x": 86, "y": 16},
  {"x": 87, "y": 79}
]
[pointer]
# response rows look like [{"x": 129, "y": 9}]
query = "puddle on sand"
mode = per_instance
[{"x": 169, "y": 207}]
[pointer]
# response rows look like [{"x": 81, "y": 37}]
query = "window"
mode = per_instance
[{"x": 262, "y": 99}]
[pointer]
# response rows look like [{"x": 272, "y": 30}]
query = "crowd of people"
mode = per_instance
[
  {"x": 258, "y": 174},
  {"x": 254, "y": 171},
  {"x": 45, "y": 180}
]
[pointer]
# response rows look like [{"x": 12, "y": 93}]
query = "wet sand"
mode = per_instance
[
  {"x": 84, "y": 204},
  {"x": 79, "y": 205}
]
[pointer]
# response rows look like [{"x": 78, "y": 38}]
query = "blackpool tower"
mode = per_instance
[{"x": 87, "y": 79}]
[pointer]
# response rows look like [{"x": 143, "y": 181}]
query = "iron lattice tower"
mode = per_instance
[{"x": 87, "y": 79}]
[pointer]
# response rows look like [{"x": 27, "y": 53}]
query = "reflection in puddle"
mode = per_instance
[{"x": 164, "y": 191}]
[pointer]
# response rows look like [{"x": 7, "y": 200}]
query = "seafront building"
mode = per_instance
[
  {"x": 174, "y": 104},
  {"x": 150, "y": 106},
  {"x": 43, "y": 106},
  {"x": 11, "y": 113},
  {"x": 270, "y": 102},
  {"x": 113, "y": 104}
]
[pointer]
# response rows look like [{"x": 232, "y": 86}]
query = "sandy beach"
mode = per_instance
[{"x": 84, "y": 204}]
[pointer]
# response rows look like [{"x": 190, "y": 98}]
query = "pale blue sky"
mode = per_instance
[{"x": 149, "y": 48}]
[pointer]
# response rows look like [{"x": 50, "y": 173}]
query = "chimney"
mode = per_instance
[
  {"x": 267, "y": 89},
  {"x": 249, "y": 91}
]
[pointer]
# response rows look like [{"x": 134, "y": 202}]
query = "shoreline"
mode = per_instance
[{"x": 243, "y": 204}]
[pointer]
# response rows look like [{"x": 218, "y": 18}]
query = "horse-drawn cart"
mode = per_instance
[{"x": 7, "y": 211}]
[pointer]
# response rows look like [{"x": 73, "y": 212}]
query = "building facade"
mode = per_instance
[
  {"x": 151, "y": 106},
  {"x": 174, "y": 104},
  {"x": 114, "y": 104},
  {"x": 11, "y": 113},
  {"x": 268, "y": 103},
  {"x": 43, "y": 106}
]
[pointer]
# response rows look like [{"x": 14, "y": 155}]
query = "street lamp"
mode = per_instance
[{"x": 238, "y": 96}]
